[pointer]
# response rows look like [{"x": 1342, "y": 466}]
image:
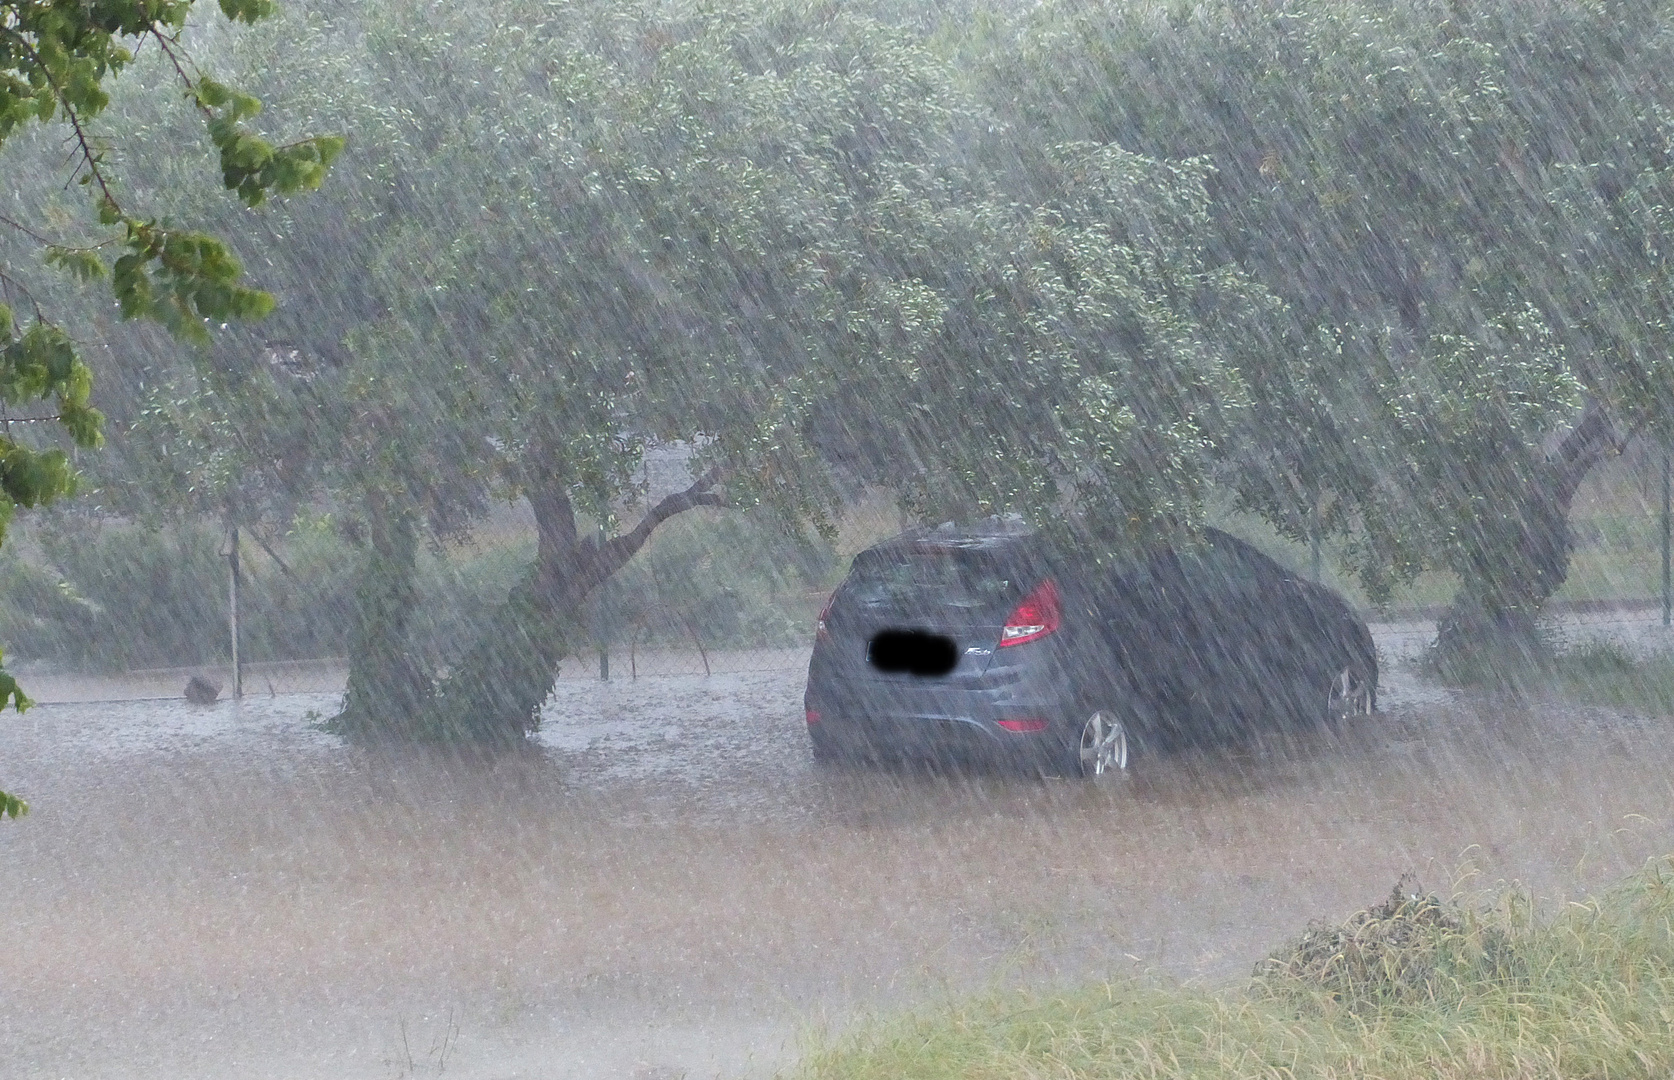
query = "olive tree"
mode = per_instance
[
  {"x": 1463, "y": 209},
  {"x": 779, "y": 235}
]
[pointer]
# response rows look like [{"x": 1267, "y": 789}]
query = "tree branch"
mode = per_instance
[
  {"x": 168, "y": 46},
  {"x": 70, "y": 114},
  {"x": 7, "y": 281},
  {"x": 48, "y": 241},
  {"x": 1592, "y": 438},
  {"x": 274, "y": 555},
  {"x": 26, "y": 231},
  {"x": 700, "y": 493},
  {"x": 554, "y": 519}
]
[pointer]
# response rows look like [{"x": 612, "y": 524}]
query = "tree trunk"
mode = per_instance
[
  {"x": 388, "y": 685},
  {"x": 1493, "y": 622},
  {"x": 494, "y": 695},
  {"x": 1519, "y": 558}
]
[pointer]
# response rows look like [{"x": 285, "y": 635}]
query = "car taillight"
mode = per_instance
[
  {"x": 1037, "y": 616},
  {"x": 812, "y": 716},
  {"x": 1031, "y": 724},
  {"x": 825, "y": 613}
]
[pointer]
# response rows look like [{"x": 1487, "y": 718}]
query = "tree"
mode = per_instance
[
  {"x": 758, "y": 230},
  {"x": 847, "y": 296},
  {"x": 1464, "y": 209},
  {"x": 644, "y": 238},
  {"x": 779, "y": 235},
  {"x": 57, "y": 59}
]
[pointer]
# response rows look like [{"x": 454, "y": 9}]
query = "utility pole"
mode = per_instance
[
  {"x": 1667, "y": 528},
  {"x": 603, "y": 630},
  {"x": 1313, "y": 542},
  {"x": 232, "y": 605}
]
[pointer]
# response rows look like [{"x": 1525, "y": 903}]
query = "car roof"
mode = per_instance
[
  {"x": 988, "y": 536},
  {"x": 1012, "y": 534}
]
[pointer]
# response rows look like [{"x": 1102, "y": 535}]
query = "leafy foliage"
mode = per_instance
[
  {"x": 57, "y": 60},
  {"x": 1362, "y": 264},
  {"x": 1081, "y": 362},
  {"x": 1464, "y": 210},
  {"x": 755, "y": 229}
]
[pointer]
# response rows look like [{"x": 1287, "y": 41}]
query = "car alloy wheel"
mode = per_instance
[
  {"x": 1349, "y": 695},
  {"x": 1104, "y": 746}
]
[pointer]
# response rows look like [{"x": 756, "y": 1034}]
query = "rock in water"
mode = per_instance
[{"x": 200, "y": 691}]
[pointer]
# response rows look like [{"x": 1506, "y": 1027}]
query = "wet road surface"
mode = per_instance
[{"x": 665, "y": 886}]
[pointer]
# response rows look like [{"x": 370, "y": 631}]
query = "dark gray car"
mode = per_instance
[{"x": 987, "y": 642}]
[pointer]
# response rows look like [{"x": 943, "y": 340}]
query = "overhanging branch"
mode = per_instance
[
  {"x": 1594, "y": 437},
  {"x": 614, "y": 553},
  {"x": 701, "y": 493}
]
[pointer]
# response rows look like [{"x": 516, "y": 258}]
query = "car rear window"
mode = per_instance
[{"x": 944, "y": 576}]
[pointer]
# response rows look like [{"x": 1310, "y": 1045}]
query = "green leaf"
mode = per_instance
[
  {"x": 32, "y": 478},
  {"x": 82, "y": 264},
  {"x": 211, "y": 94},
  {"x": 248, "y": 11},
  {"x": 12, "y": 694},
  {"x": 10, "y": 805},
  {"x": 329, "y": 146},
  {"x": 84, "y": 423}
]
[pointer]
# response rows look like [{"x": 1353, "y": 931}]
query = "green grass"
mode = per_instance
[
  {"x": 1621, "y": 569},
  {"x": 1594, "y": 673},
  {"x": 1413, "y": 988},
  {"x": 1613, "y": 566},
  {"x": 1603, "y": 673}
]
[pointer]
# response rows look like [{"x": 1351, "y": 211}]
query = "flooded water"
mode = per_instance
[{"x": 664, "y": 886}]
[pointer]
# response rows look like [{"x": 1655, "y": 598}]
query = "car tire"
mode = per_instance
[
  {"x": 1099, "y": 747},
  {"x": 1349, "y": 693}
]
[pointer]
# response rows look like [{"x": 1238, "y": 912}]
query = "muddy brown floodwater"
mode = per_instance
[{"x": 663, "y": 886}]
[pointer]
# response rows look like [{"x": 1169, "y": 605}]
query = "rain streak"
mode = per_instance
[{"x": 836, "y": 540}]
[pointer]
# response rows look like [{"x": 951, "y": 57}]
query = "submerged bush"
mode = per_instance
[{"x": 119, "y": 596}]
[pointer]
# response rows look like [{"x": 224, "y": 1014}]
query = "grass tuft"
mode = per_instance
[
  {"x": 1414, "y": 948},
  {"x": 1416, "y": 987}
]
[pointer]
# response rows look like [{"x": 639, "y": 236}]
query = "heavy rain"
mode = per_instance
[{"x": 763, "y": 538}]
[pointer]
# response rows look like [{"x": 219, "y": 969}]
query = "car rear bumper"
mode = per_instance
[{"x": 881, "y": 720}]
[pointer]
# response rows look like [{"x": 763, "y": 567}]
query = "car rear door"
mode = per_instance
[
  {"x": 1148, "y": 622},
  {"x": 1223, "y": 625},
  {"x": 935, "y": 592}
]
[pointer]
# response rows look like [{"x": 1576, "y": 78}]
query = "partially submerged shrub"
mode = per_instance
[{"x": 112, "y": 596}]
